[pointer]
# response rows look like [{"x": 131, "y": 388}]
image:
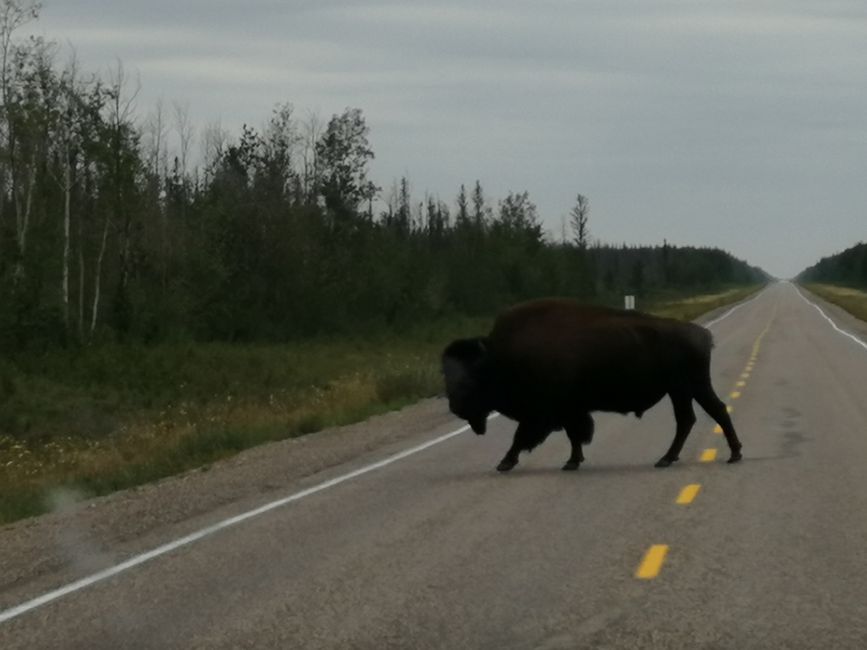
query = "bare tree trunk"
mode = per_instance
[
  {"x": 67, "y": 201},
  {"x": 22, "y": 220},
  {"x": 98, "y": 278},
  {"x": 310, "y": 173},
  {"x": 121, "y": 109},
  {"x": 2, "y": 201},
  {"x": 13, "y": 14},
  {"x": 80, "y": 278},
  {"x": 174, "y": 248}
]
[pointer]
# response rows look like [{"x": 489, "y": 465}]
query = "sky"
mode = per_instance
[{"x": 741, "y": 125}]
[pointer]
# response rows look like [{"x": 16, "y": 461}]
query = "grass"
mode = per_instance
[
  {"x": 852, "y": 300},
  {"x": 690, "y": 308},
  {"x": 105, "y": 419}
]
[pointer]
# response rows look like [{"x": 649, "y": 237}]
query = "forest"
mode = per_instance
[
  {"x": 119, "y": 227},
  {"x": 848, "y": 268}
]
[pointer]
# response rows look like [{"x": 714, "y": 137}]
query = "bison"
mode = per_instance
[{"x": 549, "y": 363}]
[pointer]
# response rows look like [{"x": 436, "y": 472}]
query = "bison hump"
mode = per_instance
[{"x": 561, "y": 334}]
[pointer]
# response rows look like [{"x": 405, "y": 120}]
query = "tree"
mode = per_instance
[
  {"x": 311, "y": 132},
  {"x": 67, "y": 144},
  {"x": 122, "y": 166},
  {"x": 214, "y": 142},
  {"x": 13, "y": 15},
  {"x": 579, "y": 216},
  {"x": 518, "y": 217},
  {"x": 342, "y": 154},
  {"x": 276, "y": 161},
  {"x": 479, "y": 209},
  {"x": 28, "y": 89},
  {"x": 462, "y": 219}
]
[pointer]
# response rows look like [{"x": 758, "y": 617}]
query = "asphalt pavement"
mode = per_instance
[{"x": 435, "y": 549}]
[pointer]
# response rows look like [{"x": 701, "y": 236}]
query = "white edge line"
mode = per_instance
[
  {"x": 828, "y": 318},
  {"x": 732, "y": 310},
  {"x": 136, "y": 560}
]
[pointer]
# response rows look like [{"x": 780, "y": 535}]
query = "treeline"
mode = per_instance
[
  {"x": 848, "y": 268},
  {"x": 110, "y": 231}
]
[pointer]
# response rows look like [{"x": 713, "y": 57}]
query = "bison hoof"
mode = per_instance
[
  {"x": 571, "y": 466},
  {"x": 735, "y": 457},
  {"x": 664, "y": 462},
  {"x": 506, "y": 464}
]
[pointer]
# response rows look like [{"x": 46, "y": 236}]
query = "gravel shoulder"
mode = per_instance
[{"x": 124, "y": 523}]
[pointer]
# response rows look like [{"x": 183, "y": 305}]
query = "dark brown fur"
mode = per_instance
[{"x": 548, "y": 364}]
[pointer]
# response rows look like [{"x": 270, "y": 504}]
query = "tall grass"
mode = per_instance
[
  {"x": 852, "y": 300},
  {"x": 690, "y": 308},
  {"x": 105, "y": 419}
]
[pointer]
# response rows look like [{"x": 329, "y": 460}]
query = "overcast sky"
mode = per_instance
[{"x": 741, "y": 125}]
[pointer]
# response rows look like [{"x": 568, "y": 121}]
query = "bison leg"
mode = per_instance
[
  {"x": 580, "y": 432},
  {"x": 685, "y": 417},
  {"x": 716, "y": 408},
  {"x": 527, "y": 437}
]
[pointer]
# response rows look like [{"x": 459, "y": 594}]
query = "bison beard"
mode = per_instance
[{"x": 548, "y": 364}]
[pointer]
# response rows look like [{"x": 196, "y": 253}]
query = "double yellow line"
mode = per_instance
[{"x": 654, "y": 558}]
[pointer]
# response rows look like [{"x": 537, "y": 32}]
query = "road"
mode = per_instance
[{"x": 437, "y": 550}]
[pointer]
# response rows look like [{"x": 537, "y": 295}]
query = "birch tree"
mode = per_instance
[
  {"x": 24, "y": 81},
  {"x": 67, "y": 142},
  {"x": 123, "y": 163},
  {"x": 14, "y": 14},
  {"x": 311, "y": 132}
]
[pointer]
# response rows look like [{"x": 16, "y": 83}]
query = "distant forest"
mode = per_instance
[
  {"x": 113, "y": 227},
  {"x": 848, "y": 268}
]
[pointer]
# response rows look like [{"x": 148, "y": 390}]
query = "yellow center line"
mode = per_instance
[
  {"x": 687, "y": 494},
  {"x": 652, "y": 562},
  {"x": 654, "y": 558},
  {"x": 730, "y": 408}
]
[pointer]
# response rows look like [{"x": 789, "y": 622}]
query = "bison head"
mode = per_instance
[{"x": 464, "y": 364}]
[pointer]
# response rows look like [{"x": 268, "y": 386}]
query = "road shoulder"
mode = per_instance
[{"x": 129, "y": 520}]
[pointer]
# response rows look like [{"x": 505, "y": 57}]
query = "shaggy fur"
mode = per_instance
[{"x": 548, "y": 364}]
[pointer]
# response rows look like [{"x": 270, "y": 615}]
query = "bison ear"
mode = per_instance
[
  {"x": 462, "y": 358},
  {"x": 467, "y": 351}
]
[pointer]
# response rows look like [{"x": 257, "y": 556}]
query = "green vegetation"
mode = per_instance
[
  {"x": 847, "y": 268},
  {"x": 690, "y": 308},
  {"x": 109, "y": 236},
  {"x": 852, "y": 300},
  {"x": 841, "y": 279},
  {"x": 84, "y": 419}
]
